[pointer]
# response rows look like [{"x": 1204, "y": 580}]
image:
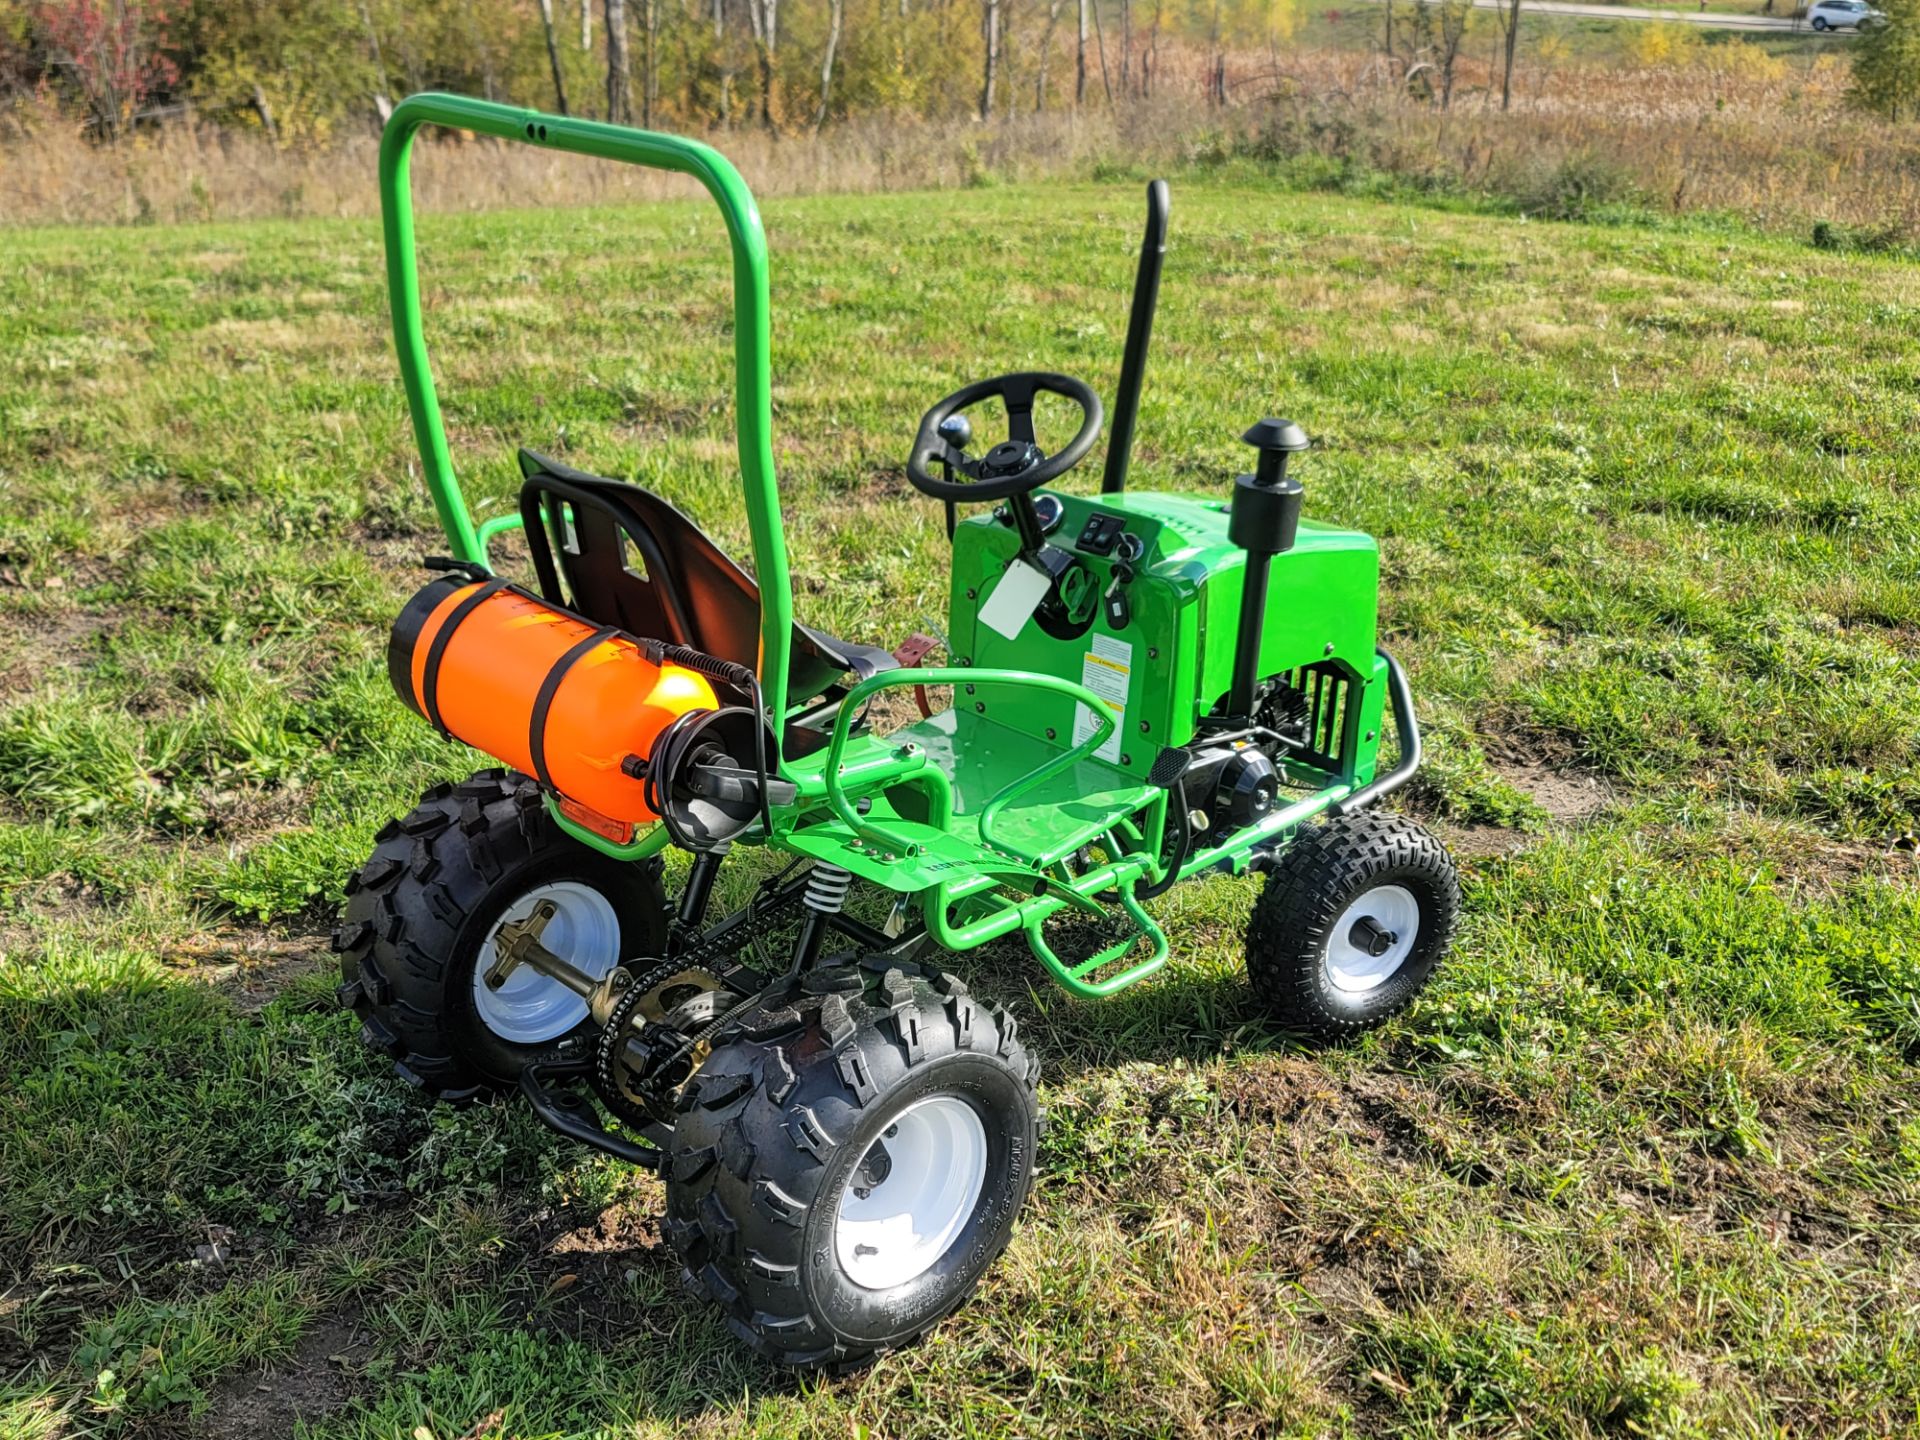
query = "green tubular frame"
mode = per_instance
[
  {"x": 1053, "y": 890},
  {"x": 953, "y": 675},
  {"x": 1031, "y": 915},
  {"x": 753, "y": 400}
]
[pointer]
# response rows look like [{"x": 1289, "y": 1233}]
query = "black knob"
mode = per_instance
[
  {"x": 957, "y": 431},
  {"x": 1266, "y": 504},
  {"x": 1277, "y": 441}
]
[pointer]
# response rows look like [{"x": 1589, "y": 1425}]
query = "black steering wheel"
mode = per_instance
[{"x": 1017, "y": 465}]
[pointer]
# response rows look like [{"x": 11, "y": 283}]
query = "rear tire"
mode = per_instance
[
  {"x": 1351, "y": 924},
  {"x": 850, "y": 1160},
  {"x": 421, "y": 911}
]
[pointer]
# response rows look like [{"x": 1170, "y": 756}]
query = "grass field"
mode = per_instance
[{"x": 1645, "y": 1161}]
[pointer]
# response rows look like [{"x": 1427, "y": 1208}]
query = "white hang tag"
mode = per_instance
[{"x": 1015, "y": 598}]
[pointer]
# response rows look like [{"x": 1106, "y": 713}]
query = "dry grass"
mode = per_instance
[
  {"x": 1721, "y": 127},
  {"x": 1724, "y": 128},
  {"x": 199, "y": 171}
]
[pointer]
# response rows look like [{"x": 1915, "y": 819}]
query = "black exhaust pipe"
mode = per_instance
[{"x": 1146, "y": 299}]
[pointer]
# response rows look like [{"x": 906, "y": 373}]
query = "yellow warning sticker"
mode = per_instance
[{"x": 1105, "y": 670}]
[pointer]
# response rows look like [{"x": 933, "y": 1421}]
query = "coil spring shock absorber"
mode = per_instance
[{"x": 827, "y": 887}]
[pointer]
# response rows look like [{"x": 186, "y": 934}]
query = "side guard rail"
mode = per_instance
[{"x": 1401, "y": 694}]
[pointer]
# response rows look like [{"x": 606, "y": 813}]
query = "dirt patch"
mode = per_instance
[
  {"x": 250, "y": 967},
  {"x": 319, "y": 1378},
  {"x": 1480, "y": 842},
  {"x": 46, "y": 643},
  {"x": 1566, "y": 796},
  {"x": 616, "y": 1231}
]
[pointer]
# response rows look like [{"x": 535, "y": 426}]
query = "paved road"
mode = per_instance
[{"x": 1714, "y": 20}]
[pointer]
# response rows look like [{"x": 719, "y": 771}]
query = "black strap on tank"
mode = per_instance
[
  {"x": 543, "y": 702},
  {"x": 436, "y": 652}
]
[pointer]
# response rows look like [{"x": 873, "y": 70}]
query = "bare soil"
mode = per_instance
[
  {"x": 319, "y": 1378},
  {"x": 251, "y": 967}
]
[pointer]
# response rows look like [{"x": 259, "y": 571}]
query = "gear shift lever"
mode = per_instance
[{"x": 957, "y": 431}]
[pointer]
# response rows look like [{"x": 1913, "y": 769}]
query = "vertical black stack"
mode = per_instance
[
  {"x": 1133, "y": 364},
  {"x": 1265, "y": 519}
]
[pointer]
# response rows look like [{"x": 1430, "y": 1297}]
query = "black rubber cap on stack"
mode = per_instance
[{"x": 1282, "y": 435}]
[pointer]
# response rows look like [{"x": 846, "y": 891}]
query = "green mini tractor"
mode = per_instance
[{"x": 1147, "y": 688}]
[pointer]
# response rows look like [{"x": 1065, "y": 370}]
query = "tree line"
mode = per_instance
[{"x": 301, "y": 69}]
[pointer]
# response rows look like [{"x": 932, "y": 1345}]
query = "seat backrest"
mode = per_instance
[{"x": 628, "y": 558}]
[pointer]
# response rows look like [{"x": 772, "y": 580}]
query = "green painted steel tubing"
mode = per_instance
[
  {"x": 1073, "y": 977},
  {"x": 1271, "y": 828},
  {"x": 958, "y": 675},
  {"x": 753, "y": 386}
]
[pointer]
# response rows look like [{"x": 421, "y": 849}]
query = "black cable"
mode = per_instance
[
  {"x": 741, "y": 678},
  {"x": 1183, "y": 847}
]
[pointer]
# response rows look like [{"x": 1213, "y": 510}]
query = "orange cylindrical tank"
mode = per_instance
[{"x": 506, "y": 647}]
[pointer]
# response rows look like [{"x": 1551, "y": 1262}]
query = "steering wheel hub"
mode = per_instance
[{"x": 1010, "y": 457}]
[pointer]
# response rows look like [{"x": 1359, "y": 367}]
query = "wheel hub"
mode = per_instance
[
  {"x": 1368, "y": 936},
  {"x": 873, "y": 1172},
  {"x": 1372, "y": 938},
  {"x": 578, "y": 924},
  {"x": 912, "y": 1193}
]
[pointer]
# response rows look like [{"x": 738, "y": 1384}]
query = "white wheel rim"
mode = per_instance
[
  {"x": 531, "y": 1008},
  {"x": 1385, "y": 910},
  {"x": 935, "y": 1165}
]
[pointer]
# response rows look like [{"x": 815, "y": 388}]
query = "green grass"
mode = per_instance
[{"x": 1645, "y": 1161}]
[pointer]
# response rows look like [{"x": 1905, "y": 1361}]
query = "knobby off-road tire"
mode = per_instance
[
  {"x": 418, "y": 913},
  {"x": 1337, "y": 892},
  {"x": 779, "y": 1128}
]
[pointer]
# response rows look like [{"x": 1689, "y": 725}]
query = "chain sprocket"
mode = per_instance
[
  {"x": 657, "y": 1032},
  {"x": 651, "y": 1044}
]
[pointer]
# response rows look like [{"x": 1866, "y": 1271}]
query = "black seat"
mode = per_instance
[{"x": 627, "y": 557}]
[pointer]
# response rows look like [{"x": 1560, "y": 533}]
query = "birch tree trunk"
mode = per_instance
[
  {"x": 1150, "y": 61},
  {"x": 1100, "y": 44},
  {"x": 834, "y": 8},
  {"x": 619, "y": 72},
  {"x": 1080, "y": 60},
  {"x": 992, "y": 26},
  {"x": 649, "y": 66},
  {"x": 586, "y": 25},
  {"x": 553, "y": 56},
  {"x": 1046, "y": 50},
  {"x": 380, "y": 60},
  {"x": 763, "y": 16},
  {"x": 724, "y": 59}
]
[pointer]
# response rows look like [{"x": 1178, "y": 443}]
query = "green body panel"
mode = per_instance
[
  {"x": 1185, "y": 621},
  {"x": 979, "y": 811}
]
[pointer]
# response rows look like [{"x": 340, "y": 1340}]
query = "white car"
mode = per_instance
[{"x": 1826, "y": 15}]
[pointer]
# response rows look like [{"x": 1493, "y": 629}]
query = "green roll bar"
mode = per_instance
[{"x": 753, "y": 386}]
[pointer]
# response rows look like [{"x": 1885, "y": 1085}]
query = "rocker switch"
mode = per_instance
[{"x": 1100, "y": 534}]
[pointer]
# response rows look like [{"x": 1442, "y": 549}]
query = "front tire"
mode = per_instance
[
  {"x": 418, "y": 926},
  {"x": 850, "y": 1160},
  {"x": 1351, "y": 924}
]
